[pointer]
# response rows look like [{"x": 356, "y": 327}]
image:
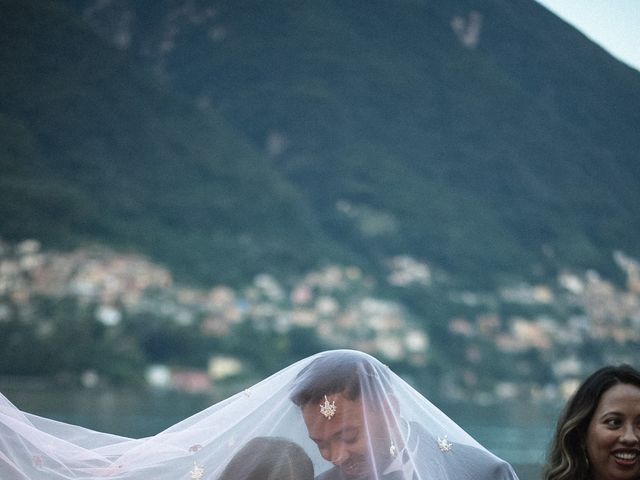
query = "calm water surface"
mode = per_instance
[{"x": 518, "y": 433}]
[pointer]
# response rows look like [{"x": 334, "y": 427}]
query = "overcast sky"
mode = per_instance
[{"x": 613, "y": 24}]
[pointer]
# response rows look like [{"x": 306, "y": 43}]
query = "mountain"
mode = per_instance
[
  {"x": 486, "y": 138},
  {"x": 95, "y": 150}
]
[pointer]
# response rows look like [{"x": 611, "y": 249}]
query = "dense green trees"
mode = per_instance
[{"x": 479, "y": 162}]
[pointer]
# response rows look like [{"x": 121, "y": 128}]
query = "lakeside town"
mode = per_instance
[{"x": 567, "y": 327}]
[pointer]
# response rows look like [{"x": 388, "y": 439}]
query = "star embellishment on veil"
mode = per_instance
[
  {"x": 328, "y": 409},
  {"x": 197, "y": 472},
  {"x": 444, "y": 445}
]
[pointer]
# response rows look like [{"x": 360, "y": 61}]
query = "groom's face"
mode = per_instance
[{"x": 354, "y": 439}]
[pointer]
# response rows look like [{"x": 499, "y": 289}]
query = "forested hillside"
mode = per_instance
[
  {"x": 483, "y": 137},
  {"x": 487, "y": 139},
  {"x": 95, "y": 150},
  {"x": 449, "y": 184}
]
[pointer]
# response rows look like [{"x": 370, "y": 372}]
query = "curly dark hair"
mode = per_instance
[{"x": 567, "y": 457}]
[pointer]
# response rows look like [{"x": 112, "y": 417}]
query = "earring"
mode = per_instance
[{"x": 583, "y": 448}]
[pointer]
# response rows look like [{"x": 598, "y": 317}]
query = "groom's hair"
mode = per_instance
[{"x": 341, "y": 371}]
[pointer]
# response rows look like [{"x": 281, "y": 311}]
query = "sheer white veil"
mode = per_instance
[{"x": 339, "y": 414}]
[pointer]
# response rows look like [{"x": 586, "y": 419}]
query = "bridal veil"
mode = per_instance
[{"x": 339, "y": 414}]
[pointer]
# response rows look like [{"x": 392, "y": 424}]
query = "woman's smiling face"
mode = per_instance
[{"x": 613, "y": 436}]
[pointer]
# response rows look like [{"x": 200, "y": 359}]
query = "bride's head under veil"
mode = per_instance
[{"x": 336, "y": 415}]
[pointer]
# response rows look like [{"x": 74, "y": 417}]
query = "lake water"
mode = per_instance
[{"x": 518, "y": 433}]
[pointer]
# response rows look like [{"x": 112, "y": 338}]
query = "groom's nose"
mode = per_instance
[{"x": 338, "y": 455}]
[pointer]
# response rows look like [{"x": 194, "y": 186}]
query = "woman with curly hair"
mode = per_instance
[{"x": 597, "y": 436}]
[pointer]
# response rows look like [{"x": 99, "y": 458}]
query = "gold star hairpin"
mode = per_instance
[{"x": 328, "y": 409}]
